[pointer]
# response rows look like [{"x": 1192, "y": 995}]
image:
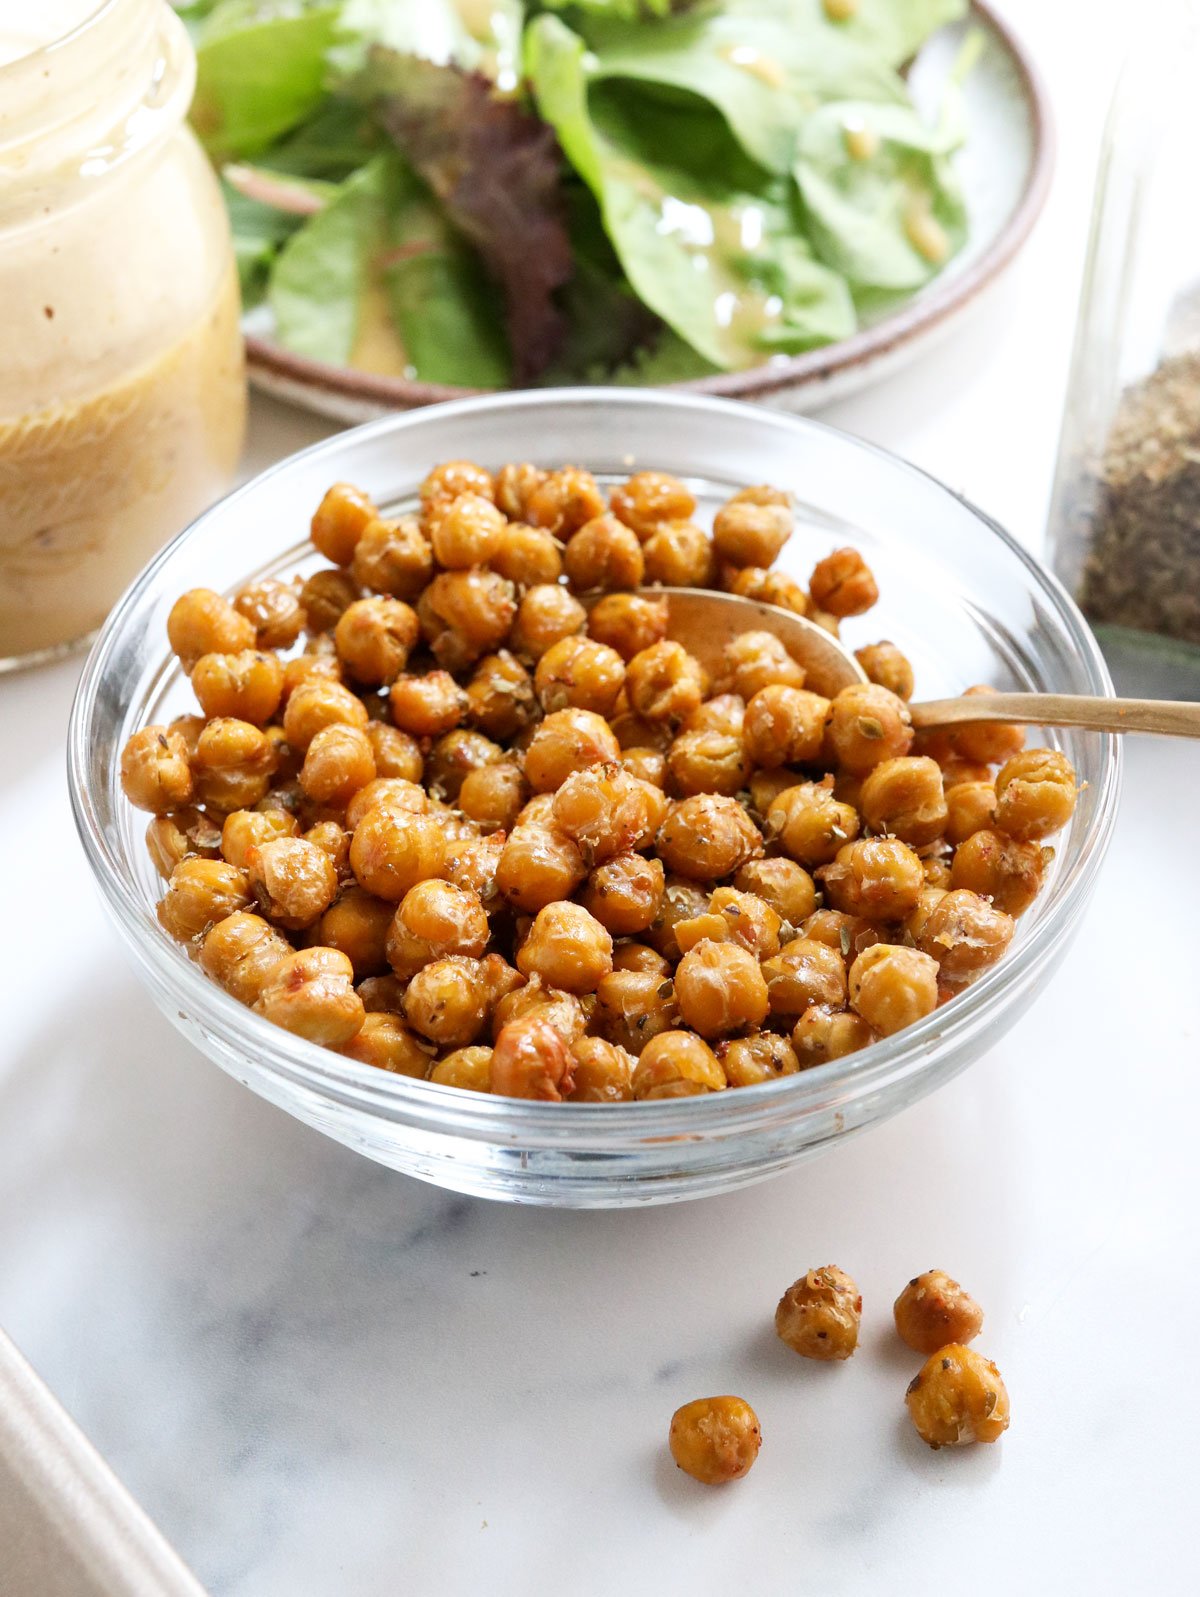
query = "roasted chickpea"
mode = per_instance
[
  {"x": 634, "y": 1006},
  {"x": 202, "y": 622},
  {"x": 452, "y": 759},
  {"x": 469, "y": 1069},
  {"x": 443, "y": 485},
  {"x": 665, "y": 683},
  {"x": 244, "y": 830},
  {"x": 719, "y": 989},
  {"x": 357, "y": 925},
  {"x": 492, "y": 795},
  {"x": 292, "y": 880},
  {"x": 769, "y": 587},
  {"x": 326, "y": 596},
  {"x": 819, "y": 1315},
  {"x": 804, "y": 972},
  {"x": 579, "y": 673},
  {"x": 957, "y": 1397},
  {"x": 340, "y": 520},
  {"x": 429, "y": 705},
  {"x": 888, "y": 667},
  {"x": 868, "y": 725},
  {"x": 879, "y": 878},
  {"x": 200, "y": 893},
  {"x": 274, "y": 610},
  {"x": 707, "y": 762},
  {"x": 647, "y": 765},
  {"x": 1001, "y": 869},
  {"x": 650, "y": 498},
  {"x": 232, "y": 765},
  {"x": 467, "y": 532},
  {"x": 965, "y": 934},
  {"x": 677, "y": 1064},
  {"x": 625, "y": 893},
  {"x": 849, "y": 934},
  {"x": 987, "y": 742},
  {"x": 311, "y": 993},
  {"x": 538, "y": 866},
  {"x": 532, "y": 1060},
  {"x": 397, "y": 755},
  {"x": 822, "y": 1034},
  {"x": 937, "y": 871},
  {"x": 707, "y": 837},
  {"x": 752, "y": 531},
  {"x": 547, "y": 614},
  {"x": 682, "y": 900},
  {"x": 435, "y": 919},
  {"x": 478, "y": 606},
  {"x": 314, "y": 705},
  {"x": 892, "y": 987},
  {"x": 607, "y": 811},
  {"x": 500, "y": 696},
  {"x": 375, "y": 637},
  {"x": 843, "y": 585},
  {"x": 1035, "y": 794},
  {"x": 715, "y": 1439},
  {"x": 387, "y": 792},
  {"x": 970, "y": 808},
  {"x": 784, "y": 726},
  {"x": 763, "y": 1056},
  {"x": 305, "y": 668},
  {"x": 339, "y": 761},
  {"x": 914, "y": 921},
  {"x": 934, "y": 1310},
  {"x": 743, "y": 919},
  {"x": 640, "y": 957},
  {"x": 904, "y": 797},
  {"x": 391, "y": 851},
  {"x": 678, "y": 554},
  {"x": 756, "y": 660},
  {"x": 634, "y": 732},
  {"x": 809, "y": 824},
  {"x": 513, "y": 486},
  {"x": 628, "y": 622},
  {"x": 393, "y": 557},
  {"x": 603, "y": 1072},
  {"x": 527, "y": 555},
  {"x": 386, "y": 1043},
  {"x": 155, "y": 774},
  {"x": 781, "y": 884},
  {"x": 568, "y": 948},
  {"x": 604, "y": 554},
  {"x": 446, "y": 1001},
  {"x": 334, "y": 842},
  {"x": 568, "y": 741},
  {"x": 247, "y": 685},
  {"x": 472, "y": 863},
  {"x": 564, "y": 501},
  {"x": 170, "y": 838},
  {"x": 383, "y": 995},
  {"x": 240, "y": 952},
  {"x": 562, "y": 1011}
]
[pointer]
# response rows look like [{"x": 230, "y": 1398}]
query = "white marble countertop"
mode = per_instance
[{"x": 322, "y": 1378}]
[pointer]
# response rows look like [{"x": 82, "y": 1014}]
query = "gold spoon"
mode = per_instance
[{"x": 704, "y": 621}]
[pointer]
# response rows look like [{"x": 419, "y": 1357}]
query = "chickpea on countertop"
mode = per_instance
[{"x": 435, "y": 814}]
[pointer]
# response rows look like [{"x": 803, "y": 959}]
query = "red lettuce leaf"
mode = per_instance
[{"x": 498, "y": 173}]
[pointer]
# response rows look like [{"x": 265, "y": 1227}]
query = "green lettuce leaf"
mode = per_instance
[
  {"x": 260, "y": 225},
  {"x": 892, "y": 30},
  {"x": 707, "y": 238},
  {"x": 882, "y": 204},
  {"x": 260, "y": 71},
  {"x": 375, "y": 280},
  {"x": 330, "y": 146}
]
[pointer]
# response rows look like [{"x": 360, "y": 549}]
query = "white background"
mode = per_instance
[{"x": 321, "y": 1378}]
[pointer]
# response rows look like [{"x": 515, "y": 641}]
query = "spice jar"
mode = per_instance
[
  {"x": 1124, "y": 532},
  {"x": 122, "y": 392}
]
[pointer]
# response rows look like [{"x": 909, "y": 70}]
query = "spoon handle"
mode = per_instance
[{"x": 1171, "y": 717}]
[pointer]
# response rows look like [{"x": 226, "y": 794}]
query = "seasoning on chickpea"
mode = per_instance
[
  {"x": 958, "y": 1397},
  {"x": 819, "y": 1315},
  {"x": 715, "y": 1439}
]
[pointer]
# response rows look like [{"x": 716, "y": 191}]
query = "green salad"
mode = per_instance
[{"x": 489, "y": 193}]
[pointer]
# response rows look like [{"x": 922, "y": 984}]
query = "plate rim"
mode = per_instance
[{"x": 906, "y": 325}]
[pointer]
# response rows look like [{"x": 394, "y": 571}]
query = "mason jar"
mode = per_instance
[
  {"x": 1124, "y": 530},
  {"x": 122, "y": 392}
]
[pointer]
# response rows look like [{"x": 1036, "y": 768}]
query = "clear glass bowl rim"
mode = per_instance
[{"x": 585, "y": 1128}]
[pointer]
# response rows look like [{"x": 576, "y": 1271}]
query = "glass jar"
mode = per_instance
[
  {"x": 1124, "y": 530},
  {"x": 122, "y": 392}
]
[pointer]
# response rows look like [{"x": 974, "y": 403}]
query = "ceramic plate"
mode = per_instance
[{"x": 1005, "y": 169}]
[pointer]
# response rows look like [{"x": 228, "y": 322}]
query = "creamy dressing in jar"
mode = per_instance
[{"x": 122, "y": 393}]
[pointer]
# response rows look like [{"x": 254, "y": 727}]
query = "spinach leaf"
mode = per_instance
[
  {"x": 260, "y": 71},
  {"x": 882, "y": 205},
  {"x": 707, "y": 238},
  {"x": 376, "y": 281}
]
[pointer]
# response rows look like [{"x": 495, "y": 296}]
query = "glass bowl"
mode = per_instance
[{"x": 962, "y": 599}]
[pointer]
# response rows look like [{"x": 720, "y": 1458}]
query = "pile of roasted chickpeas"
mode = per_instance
[
  {"x": 438, "y": 815},
  {"x": 957, "y": 1397}
]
